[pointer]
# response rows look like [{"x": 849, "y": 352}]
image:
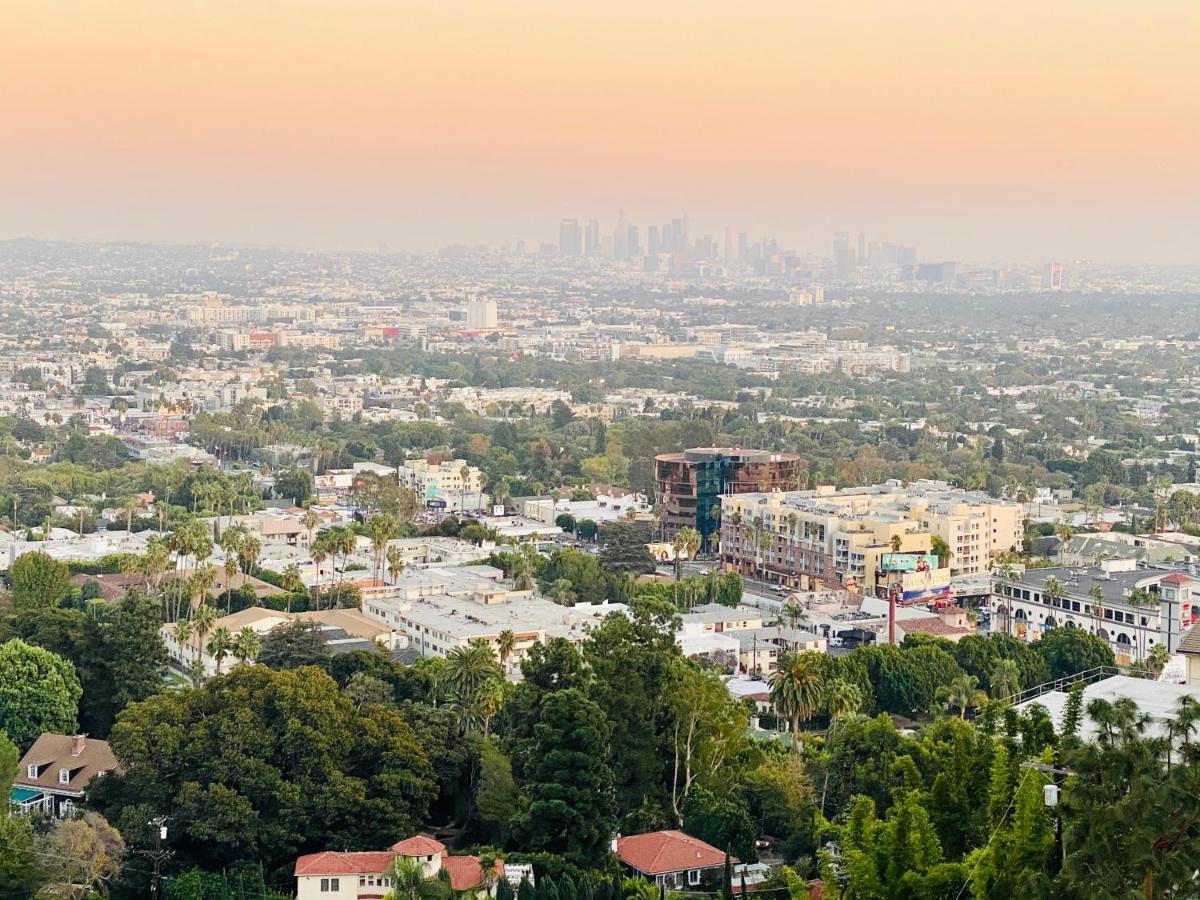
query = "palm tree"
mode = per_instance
[
  {"x": 248, "y": 555},
  {"x": 467, "y": 670},
  {"x": 488, "y": 701},
  {"x": 202, "y": 623},
  {"x": 380, "y": 528},
  {"x": 792, "y": 614},
  {"x": 318, "y": 553},
  {"x": 1004, "y": 679},
  {"x": 246, "y": 645},
  {"x": 310, "y": 520},
  {"x": 962, "y": 693},
  {"x": 842, "y": 698},
  {"x": 219, "y": 645},
  {"x": 183, "y": 633},
  {"x": 796, "y": 692},
  {"x": 395, "y": 562},
  {"x": 939, "y": 548},
  {"x": 290, "y": 579},
  {"x": 231, "y": 569},
  {"x": 408, "y": 880},
  {"x": 506, "y": 643}
]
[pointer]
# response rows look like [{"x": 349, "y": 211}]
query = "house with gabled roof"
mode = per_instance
[{"x": 54, "y": 774}]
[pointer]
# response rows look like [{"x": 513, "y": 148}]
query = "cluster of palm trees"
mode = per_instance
[
  {"x": 224, "y": 494},
  {"x": 329, "y": 544},
  {"x": 220, "y": 645},
  {"x": 242, "y": 550},
  {"x": 472, "y": 683}
]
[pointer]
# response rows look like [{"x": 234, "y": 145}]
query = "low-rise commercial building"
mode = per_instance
[{"x": 1133, "y": 609}]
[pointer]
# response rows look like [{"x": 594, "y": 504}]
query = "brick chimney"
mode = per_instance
[{"x": 77, "y": 744}]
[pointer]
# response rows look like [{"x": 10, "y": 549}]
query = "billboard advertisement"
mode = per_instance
[{"x": 907, "y": 562}]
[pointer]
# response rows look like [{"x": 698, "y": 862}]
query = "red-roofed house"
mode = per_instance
[
  {"x": 362, "y": 875},
  {"x": 672, "y": 858}
]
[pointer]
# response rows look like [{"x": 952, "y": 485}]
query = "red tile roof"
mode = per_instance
[
  {"x": 1176, "y": 578},
  {"x": 369, "y": 862},
  {"x": 465, "y": 871},
  {"x": 660, "y": 852},
  {"x": 419, "y": 846}
]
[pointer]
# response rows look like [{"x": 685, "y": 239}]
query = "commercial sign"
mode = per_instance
[{"x": 907, "y": 562}]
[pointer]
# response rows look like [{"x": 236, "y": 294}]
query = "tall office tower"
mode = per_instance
[
  {"x": 906, "y": 256},
  {"x": 633, "y": 246},
  {"x": 482, "y": 314},
  {"x": 653, "y": 248},
  {"x": 679, "y": 229},
  {"x": 844, "y": 262},
  {"x": 591, "y": 238},
  {"x": 862, "y": 247},
  {"x": 1052, "y": 276},
  {"x": 841, "y": 243},
  {"x": 728, "y": 244},
  {"x": 570, "y": 238},
  {"x": 621, "y": 237},
  {"x": 743, "y": 247}
]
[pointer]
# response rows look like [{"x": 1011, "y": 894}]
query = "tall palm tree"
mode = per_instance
[
  {"x": 488, "y": 702},
  {"x": 202, "y": 623},
  {"x": 182, "y": 632},
  {"x": 380, "y": 529},
  {"x": 231, "y": 569},
  {"x": 219, "y": 645},
  {"x": 318, "y": 552},
  {"x": 962, "y": 693},
  {"x": 246, "y": 645},
  {"x": 795, "y": 692},
  {"x": 310, "y": 520},
  {"x": 506, "y": 643},
  {"x": 395, "y": 562},
  {"x": 248, "y": 555}
]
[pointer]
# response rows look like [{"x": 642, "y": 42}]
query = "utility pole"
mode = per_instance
[{"x": 157, "y": 855}]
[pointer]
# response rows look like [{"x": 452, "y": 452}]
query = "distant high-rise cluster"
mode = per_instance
[{"x": 671, "y": 247}]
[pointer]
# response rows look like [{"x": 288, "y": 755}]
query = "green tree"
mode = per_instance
[
  {"x": 496, "y": 793},
  {"x": 39, "y": 692},
  {"x": 1069, "y": 651},
  {"x": 962, "y": 693},
  {"x": 265, "y": 765},
  {"x": 293, "y": 644},
  {"x": 39, "y": 580},
  {"x": 569, "y": 784}
]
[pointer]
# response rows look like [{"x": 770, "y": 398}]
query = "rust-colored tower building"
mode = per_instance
[{"x": 690, "y": 484}]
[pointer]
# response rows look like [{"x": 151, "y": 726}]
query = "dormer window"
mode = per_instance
[
  {"x": 64, "y": 776},
  {"x": 32, "y": 770}
]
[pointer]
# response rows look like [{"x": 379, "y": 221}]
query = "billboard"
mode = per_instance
[
  {"x": 435, "y": 504},
  {"x": 907, "y": 562}
]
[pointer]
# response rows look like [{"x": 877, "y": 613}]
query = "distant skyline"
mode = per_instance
[{"x": 1027, "y": 131}]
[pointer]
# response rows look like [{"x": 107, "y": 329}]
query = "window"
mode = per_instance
[
  {"x": 32, "y": 771},
  {"x": 330, "y": 885},
  {"x": 693, "y": 876},
  {"x": 64, "y": 776}
]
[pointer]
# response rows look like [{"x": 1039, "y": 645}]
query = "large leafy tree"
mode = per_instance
[
  {"x": 633, "y": 661},
  {"x": 570, "y": 782},
  {"x": 266, "y": 765},
  {"x": 39, "y": 692},
  {"x": 1069, "y": 651},
  {"x": 39, "y": 580}
]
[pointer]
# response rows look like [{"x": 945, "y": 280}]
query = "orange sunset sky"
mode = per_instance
[{"x": 1035, "y": 130}]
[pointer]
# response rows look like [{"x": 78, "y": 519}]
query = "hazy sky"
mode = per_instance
[{"x": 1048, "y": 129}]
